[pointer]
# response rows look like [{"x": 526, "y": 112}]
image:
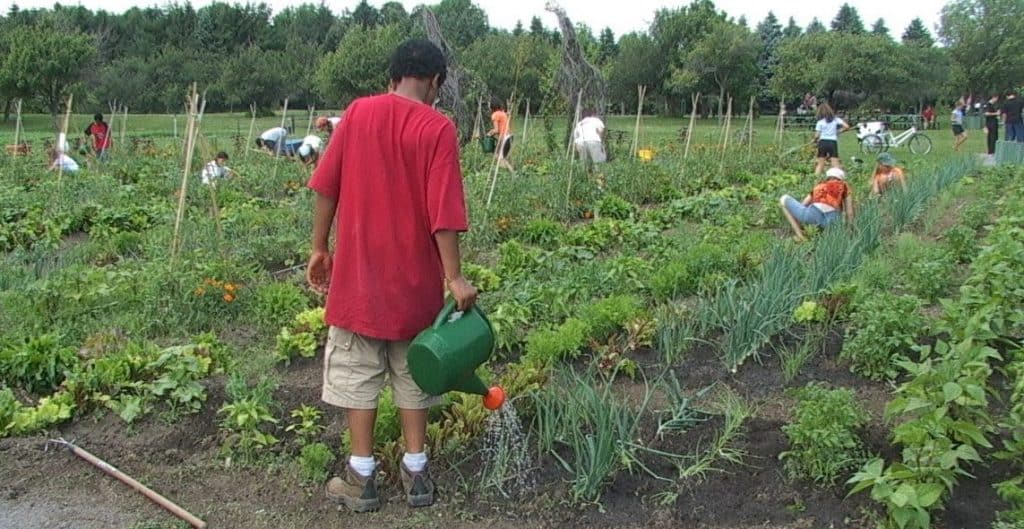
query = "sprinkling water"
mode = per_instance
[{"x": 508, "y": 467}]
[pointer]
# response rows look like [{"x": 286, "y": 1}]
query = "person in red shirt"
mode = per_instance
[
  {"x": 100, "y": 132},
  {"x": 822, "y": 207},
  {"x": 390, "y": 176}
]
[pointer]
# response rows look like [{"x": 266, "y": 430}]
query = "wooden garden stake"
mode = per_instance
[
  {"x": 575, "y": 120},
  {"x": 725, "y": 136},
  {"x": 124, "y": 123},
  {"x": 190, "y": 138},
  {"x": 17, "y": 122},
  {"x": 750, "y": 128},
  {"x": 641, "y": 91},
  {"x": 252, "y": 128},
  {"x": 113, "y": 472},
  {"x": 309, "y": 126},
  {"x": 175, "y": 118},
  {"x": 280, "y": 143},
  {"x": 693, "y": 122},
  {"x": 781, "y": 121},
  {"x": 61, "y": 140},
  {"x": 478, "y": 121},
  {"x": 526, "y": 124}
]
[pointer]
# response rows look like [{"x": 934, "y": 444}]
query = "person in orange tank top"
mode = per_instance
[
  {"x": 502, "y": 132},
  {"x": 886, "y": 173},
  {"x": 822, "y": 206}
]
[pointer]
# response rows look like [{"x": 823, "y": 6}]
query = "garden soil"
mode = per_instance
[{"x": 49, "y": 488}]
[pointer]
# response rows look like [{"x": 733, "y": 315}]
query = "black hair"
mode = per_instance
[
  {"x": 222, "y": 155},
  {"x": 259, "y": 142},
  {"x": 496, "y": 104},
  {"x": 418, "y": 58},
  {"x": 97, "y": 117}
]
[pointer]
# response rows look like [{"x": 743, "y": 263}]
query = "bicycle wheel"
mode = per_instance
[
  {"x": 872, "y": 144},
  {"x": 920, "y": 144}
]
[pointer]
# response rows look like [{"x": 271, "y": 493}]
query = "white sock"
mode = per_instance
[
  {"x": 415, "y": 462},
  {"x": 363, "y": 465}
]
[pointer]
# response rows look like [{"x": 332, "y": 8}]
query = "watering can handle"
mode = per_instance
[{"x": 450, "y": 307}]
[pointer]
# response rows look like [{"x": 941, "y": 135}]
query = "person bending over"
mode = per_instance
[{"x": 822, "y": 207}]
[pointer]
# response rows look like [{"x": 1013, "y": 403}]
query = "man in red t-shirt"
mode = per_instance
[
  {"x": 391, "y": 176},
  {"x": 100, "y": 132}
]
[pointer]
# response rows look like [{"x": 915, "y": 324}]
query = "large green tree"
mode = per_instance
[
  {"x": 507, "y": 63},
  {"x": 725, "y": 60},
  {"x": 917, "y": 35},
  {"x": 676, "y": 33},
  {"x": 43, "y": 62},
  {"x": 461, "y": 21},
  {"x": 358, "y": 67},
  {"x": 847, "y": 20},
  {"x": 637, "y": 64},
  {"x": 985, "y": 39}
]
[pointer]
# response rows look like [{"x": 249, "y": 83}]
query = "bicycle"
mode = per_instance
[{"x": 876, "y": 137}]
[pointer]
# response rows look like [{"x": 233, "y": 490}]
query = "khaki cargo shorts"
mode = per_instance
[{"x": 356, "y": 366}]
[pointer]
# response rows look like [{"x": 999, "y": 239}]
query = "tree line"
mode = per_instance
[{"x": 145, "y": 58}]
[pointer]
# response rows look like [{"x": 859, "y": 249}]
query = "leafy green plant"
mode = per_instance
[
  {"x": 605, "y": 316},
  {"x": 822, "y": 436},
  {"x": 809, "y": 312},
  {"x": 545, "y": 346},
  {"x": 483, "y": 278},
  {"x": 306, "y": 424},
  {"x": 614, "y": 207},
  {"x": 302, "y": 338},
  {"x": 962, "y": 242},
  {"x": 315, "y": 461},
  {"x": 39, "y": 364},
  {"x": 543, "y": 232},
  {"x": 883, "y": 328},
  {"x": 275, "y": 304}
]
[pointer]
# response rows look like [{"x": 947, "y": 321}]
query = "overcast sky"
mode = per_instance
[{"x": 621, "y": 16}]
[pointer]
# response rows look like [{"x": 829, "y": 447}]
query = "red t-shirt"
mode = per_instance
[
  {"x": 831, "y": 192},
  {"x": 100, "y": 135},
  {"x": 393, "y": 165}
]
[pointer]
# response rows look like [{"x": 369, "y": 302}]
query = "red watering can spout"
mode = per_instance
[{"x": 494, "y": 398}]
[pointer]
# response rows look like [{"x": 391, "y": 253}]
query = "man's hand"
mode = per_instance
[
  {"x": 463, "y": 292},
  {"x": 318, "y": 272}
]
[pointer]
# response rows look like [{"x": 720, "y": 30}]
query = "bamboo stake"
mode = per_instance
[
  {"x": 309, "y": 126},
  {"x": 113, "y": 472},
  {"x": 641, "y": 91},
  {"x": 575, "y": 120},
  {"x": 750, "y": 128},
  {"x": 478, "y": 121},
  {"x": 280, "y": 143},
  {"x": 175, "y": 118},
  {"x": 725, "y": 136},
  {"x": 252, "y": 129},
  {"x": 17, "y": 122},
  {"x": 190, "y": 134},
  {"x": 114, "y": 107},
  {"x": 60, "y": 144},
  {"x": 526, "y": 123},
  {"x": 124, "y": 123},
  {"x": 693, "y": 122}
]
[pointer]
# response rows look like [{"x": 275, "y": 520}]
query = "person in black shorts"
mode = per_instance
[
  {"x": 957, "y": 119},
  {"x": 826, "y": 133},
  {"x": 992, "y": 124}
]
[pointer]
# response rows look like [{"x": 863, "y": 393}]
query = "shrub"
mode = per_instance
[
  {"x": 882, "y": 328},
  {"x": 671, "y": 280},
  {"x": 822, "y": 437},
  {"x": 315, "y": 461}
]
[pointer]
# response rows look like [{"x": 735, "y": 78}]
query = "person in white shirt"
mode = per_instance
[
  {"x": 216, "y": 170},
  {"x": 309, "y": 151},
  {"x": 62, "y": 162},
  {"x": 273, "y": 140},
  {"x": 826, "y": 134},
  {"x": 588, "y": 137}
]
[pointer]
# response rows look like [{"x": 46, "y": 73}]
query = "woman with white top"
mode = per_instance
[
  {"x": 826, "y": 133},
  {"x": 309, "y": 151},
  {"x": 588, "y": 137}
]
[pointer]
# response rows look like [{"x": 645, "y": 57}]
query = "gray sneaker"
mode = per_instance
[
  {"x": 419, "y": 488},
  {"x": 357, "y": 492}
]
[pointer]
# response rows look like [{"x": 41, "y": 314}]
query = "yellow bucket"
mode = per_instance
[{"x": 645, "y": 155}]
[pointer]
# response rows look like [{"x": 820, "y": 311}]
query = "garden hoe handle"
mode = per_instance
[{"x": 148, "y": 492}]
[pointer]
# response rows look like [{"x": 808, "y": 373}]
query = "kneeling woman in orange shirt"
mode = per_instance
[{"x": 822, "y": 207}]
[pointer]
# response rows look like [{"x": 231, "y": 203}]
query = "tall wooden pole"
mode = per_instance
[
  {"x": 190, "y": 138},
  {"x": 124, "y": 123},
  {"x": 750, "y": 128},
  {"x": 693, "y": 123},
  {"x": 309, "y": 126},
  {"x": 17, "y": 122},
  {"x": 252, "y": 128},
  {"x": 575, "y": 120},
  {"x": 641, "y": 91},
  {"x": 60, "y": 143}
]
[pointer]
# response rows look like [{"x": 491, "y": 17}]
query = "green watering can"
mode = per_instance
[{"x": 444, "y": 357}]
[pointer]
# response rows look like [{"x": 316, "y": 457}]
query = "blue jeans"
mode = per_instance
[
  {"x": 1015, "y": 132},
  {"x": 809, "y": 215}
]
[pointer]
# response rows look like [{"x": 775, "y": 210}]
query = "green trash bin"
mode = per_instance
[{"x": 488, "y": 144}]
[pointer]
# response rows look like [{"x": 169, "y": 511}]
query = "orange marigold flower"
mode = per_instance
[
  {"x": 229, "y": 298},
  {"x": 200, "y": 291},
  {"x": 229, "y": 287}
]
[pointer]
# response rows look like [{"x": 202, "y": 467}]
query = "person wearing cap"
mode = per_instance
[
  {"x": 216, "y": 170},
  {"x": 327, "y": 124},
  {"x": 309, "y": 151},
  {"x": 822, "y": 207},
  {"x": 886, "y": 173}
]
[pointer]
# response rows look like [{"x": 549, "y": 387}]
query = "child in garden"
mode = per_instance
[
  {"x": 60, "y": 161},
  {"x": 957, "y": 119},
  {"x": 886, "y": 173},
  {"x": 216, "y": 170},
  {"x": 100, "y": 132},
  {"x": 391, "y": 186},
  {"x": 309, "y": 151},
  {"x": 502, "y": 132},
  {"x": 826, "y": 134},
  {"x": 822, "y": 207}
]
